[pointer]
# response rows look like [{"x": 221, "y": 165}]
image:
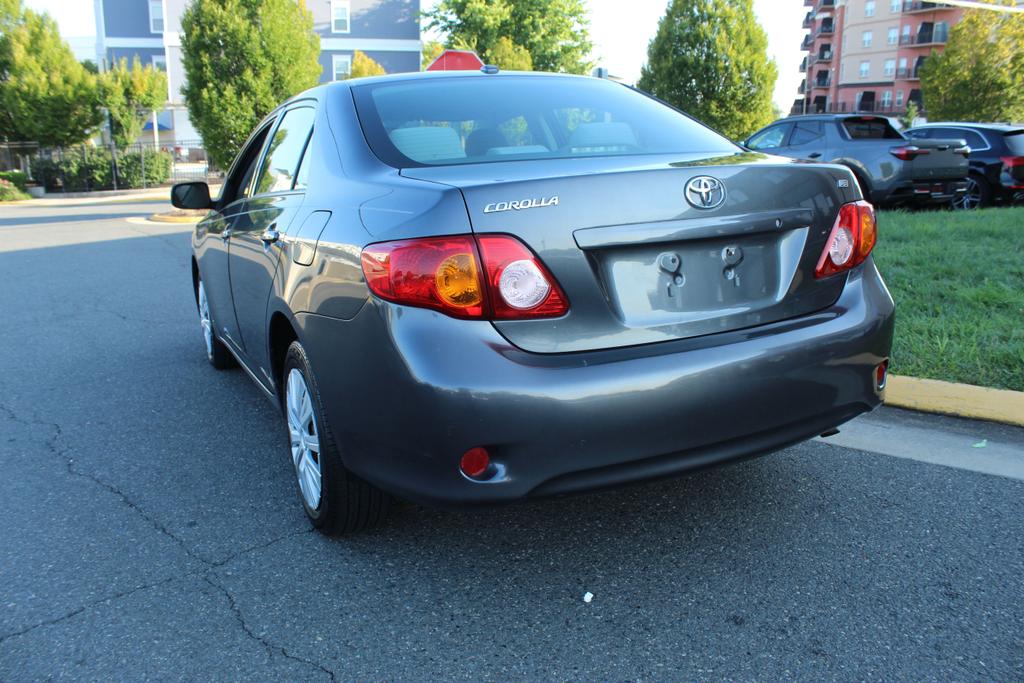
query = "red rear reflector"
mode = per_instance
[
  {"x": 486, "y": 277},
  {"x": 881, "y": 374},
  {"x": 475, "y": 462},
  {"x": 908, "y": 152},
  {"x": 852, "y": 238}
]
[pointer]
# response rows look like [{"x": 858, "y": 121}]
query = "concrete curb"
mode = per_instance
[
  {"x": 165, "y": 218},
  {"x": 961, "y": 400}
]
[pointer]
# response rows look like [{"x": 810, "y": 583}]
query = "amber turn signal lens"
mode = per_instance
[{"x": 458, "y": 282}]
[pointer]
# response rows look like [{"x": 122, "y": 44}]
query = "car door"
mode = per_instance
[
  {"x": 772, "y": 139},
  {"x": 807, "y": 141},
  {"x": 255, "y": 243},
  {"x": 216, "y": 232}
]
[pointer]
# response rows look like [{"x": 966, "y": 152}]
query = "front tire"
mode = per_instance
[
  {"x": 216, "y": 352},
  {"x": 335, "y": 500}
]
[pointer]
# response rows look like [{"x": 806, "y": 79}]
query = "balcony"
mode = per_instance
[
  {"x": 826, "y": 29},
  {"x": 823, "y": 82},
  {"x": 808, "y": 41},
  {"x": 909, "y": 74},
  {"x": 925, "y": 38},
  {"x": 911, "y": 6},
  {"x": 809, "y": 3},
  {"x": 826, "y": 4},
  {"x": 802, "y": 88},
  {"x": 803, "y": 66},
  {"x": 809, "y": 20}
]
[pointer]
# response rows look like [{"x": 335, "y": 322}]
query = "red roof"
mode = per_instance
[{"x": 456, "y": 60}]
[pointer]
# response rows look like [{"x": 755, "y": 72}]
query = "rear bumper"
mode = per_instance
[
  {"x": 926, "y": 191},
  {"x": 407, "y": 391}
]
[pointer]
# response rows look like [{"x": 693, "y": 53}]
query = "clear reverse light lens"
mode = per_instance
[
  {"x": 841, "y": 248},
  {"x": 522, "y": 285}
]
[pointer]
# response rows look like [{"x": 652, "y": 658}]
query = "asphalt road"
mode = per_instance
[{"x": 150, "y": 529}]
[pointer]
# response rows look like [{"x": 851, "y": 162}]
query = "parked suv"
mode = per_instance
[
  {"x": 996, "y": 160},
  {"x": 889, "y": 169}
]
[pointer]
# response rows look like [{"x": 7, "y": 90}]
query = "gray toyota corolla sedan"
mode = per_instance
[{"x": 466, "y": 288}]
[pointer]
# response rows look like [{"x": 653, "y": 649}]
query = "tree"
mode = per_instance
[
  {"x": 432, "y": 49},
  {"x": 508, "y": 56},
  {"x": 131, "y": 95},
  {"x": 709, "y": 58},
  {"x": 553, "y": 32},
  {"x": 980, "y": 75},
  {"x": 242, "y": 58},
  {"x": 909, "y": 117},
  {"x": 364, "y": 65},
  {"x": 46, "y": 95}
]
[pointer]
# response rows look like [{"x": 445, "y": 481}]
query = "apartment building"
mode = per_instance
[
  {"x": 386, "y": 30},
  {"x": 866, "y": 55}
]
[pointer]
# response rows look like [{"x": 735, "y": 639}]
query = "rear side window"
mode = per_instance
[
  {"x": 466, "y": 120},
  {"x": 1015, "y": 142},
  {"x": 870, "y": 129},
  {"x": 285, "y": 150},
  {"x": 805, "y": 132}
]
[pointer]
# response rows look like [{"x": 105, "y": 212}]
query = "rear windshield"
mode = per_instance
[
  {"x": 468, "y": 120},
  {"x": 1015, "y": 141},
  {"x": 871, "y": 129}
]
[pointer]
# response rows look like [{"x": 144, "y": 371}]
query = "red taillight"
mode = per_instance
[
  {"x": 445, "y": 274},
  {"x": 881, "y": 374},
  {"x": 852, "y": 238},
  {"x": 908, "y": 152},
  {"x": 1012, "y": 162},
  {"x": 1013, "y": 169}
]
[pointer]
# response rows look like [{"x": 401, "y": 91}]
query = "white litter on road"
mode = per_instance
[{"x": 588, "y": 596}]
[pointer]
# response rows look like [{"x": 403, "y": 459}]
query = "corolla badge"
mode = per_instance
[
  {"x": 520, "y": 204},
  {"x": 705, "y": 192}
]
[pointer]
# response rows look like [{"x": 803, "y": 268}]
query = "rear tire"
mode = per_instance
[
  {"x": 978, "y": 195},
  {"x": 335, "y": 500},
  {"x": 216, "y": 352}
]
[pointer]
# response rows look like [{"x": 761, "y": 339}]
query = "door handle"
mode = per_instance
[
  {"x": 269, "y": 236},
  {"x": 814, "y": 155}
]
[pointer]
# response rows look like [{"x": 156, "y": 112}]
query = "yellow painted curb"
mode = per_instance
[
  {"x": 962, "y": 400},
  {"x": 164, "y": 218}
]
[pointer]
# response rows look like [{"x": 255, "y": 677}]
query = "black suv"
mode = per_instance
[{"x": 996, "y": 159}]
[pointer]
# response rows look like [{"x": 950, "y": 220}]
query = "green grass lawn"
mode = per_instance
[{"x": 958, "y": 282}]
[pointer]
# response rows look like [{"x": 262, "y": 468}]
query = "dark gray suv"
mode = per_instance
[{"x": 470, "y": 288}]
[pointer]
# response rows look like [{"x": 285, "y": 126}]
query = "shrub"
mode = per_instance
[
  {"x": 9, "y": 192},
  {"x": 85, "y": 169},
  {"x": 18, "y": 178}
]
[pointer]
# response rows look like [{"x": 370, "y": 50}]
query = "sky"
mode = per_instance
[{"x": 619, "y": 29}]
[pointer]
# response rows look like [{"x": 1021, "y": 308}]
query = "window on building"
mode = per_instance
[
  {"x": 890, "y": 67},
  {"x": 342, "y": 66},
  {"x": 899, "y": 98},
  {"x": 869, "y": 8},
  {"x": 866, "y": 38},
  {"x": 894, "y": 36},
  {"x": 906, "y": 30},
  {"x": 156, "y": 16},
  {"x": 865, "y": 69},
  {"x": 340, "y": 20},
  {"x": 895, "y": 6},
  {"x": 887, "y": 99},
  {"x": 160, "y": 63}
]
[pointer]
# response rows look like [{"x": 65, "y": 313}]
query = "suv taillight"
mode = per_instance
[
  {"x": 484, "y": 277},
  {"x": 852, "y": 238},
  {"x": 1013, "y": 172},
  {"x": 908, "y": 152}
]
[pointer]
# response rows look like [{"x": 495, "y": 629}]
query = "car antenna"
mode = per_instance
[{"x": 489, "y": 69}]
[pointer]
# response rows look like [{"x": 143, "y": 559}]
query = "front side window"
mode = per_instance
[
  {"x": 341, "y": 66},
  {"x": 474, "y": 119},
  {"x": 156, "y": 16},
  {"x": 285, "y": 151},
  {"x": 340, "y": 20},
  {"x": 865, "y": 69},
  {"x": 769, "y": 138},
  {"x": 869, "y": 8},
  {"x": 239, "y": 183}
]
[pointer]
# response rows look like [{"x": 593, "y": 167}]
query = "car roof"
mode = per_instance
[{"x": 1000, "y": 127}]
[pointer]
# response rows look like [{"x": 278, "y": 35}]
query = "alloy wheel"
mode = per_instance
[
  {"x": 305, "y": 440},
  {"x": 971, "y": 199},
  {"x": 204, "y": 319}
]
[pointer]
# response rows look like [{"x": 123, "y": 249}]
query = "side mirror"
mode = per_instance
[{"x": 191, "y": 196}]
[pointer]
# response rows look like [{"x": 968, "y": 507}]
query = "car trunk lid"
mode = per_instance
[{"x": 640, "y": 264}]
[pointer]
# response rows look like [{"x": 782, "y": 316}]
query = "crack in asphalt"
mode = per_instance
[
  {"x": 270, "y": 647},
  {"x": 52, "y": 444}
]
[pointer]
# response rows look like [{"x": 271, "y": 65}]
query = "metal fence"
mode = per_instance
[{"x": 88, "y": 167}]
